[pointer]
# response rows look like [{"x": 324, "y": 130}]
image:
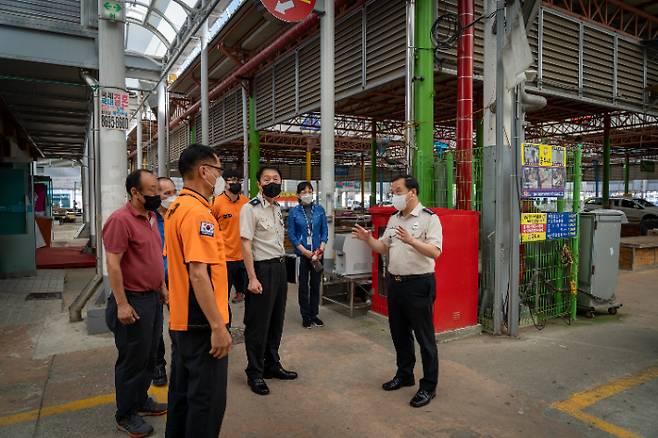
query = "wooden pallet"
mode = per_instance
[{"x": 638, "y": 253}]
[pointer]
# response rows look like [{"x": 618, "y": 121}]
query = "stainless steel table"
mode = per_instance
[{"x": 348, "y": 296}]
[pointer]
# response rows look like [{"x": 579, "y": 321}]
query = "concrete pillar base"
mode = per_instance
[{"x": 95, "y": 321}]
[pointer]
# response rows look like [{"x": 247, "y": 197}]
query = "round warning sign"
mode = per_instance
[{"x": 289, "y": 10}]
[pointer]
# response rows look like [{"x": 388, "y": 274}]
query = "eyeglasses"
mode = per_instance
[{"x": 219, "y": 168}]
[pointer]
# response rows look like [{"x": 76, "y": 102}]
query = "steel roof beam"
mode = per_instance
[
  {"x": 157, "y": 11},
  {"x": 192, "y": 25},
  {"x": 185, "y": 7},
  {"x": 151, "y": 29},
  {"x": 32, "y": 94},
  {"x": 32, "y": 109}
]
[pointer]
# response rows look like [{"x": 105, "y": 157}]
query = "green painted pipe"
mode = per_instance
[
  {"x": 476, "y": 197},
  {"x": 450, "y": 179},
  {"x": 254, "y": 149},
  {"x": 424, "y": 99},
  {"x": 559, "y": 302},
  {"x": 575, "y": 249}
]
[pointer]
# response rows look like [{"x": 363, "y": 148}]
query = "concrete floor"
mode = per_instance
[{"x": 595, "y": 378}]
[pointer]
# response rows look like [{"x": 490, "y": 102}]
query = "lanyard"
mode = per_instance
[{"x": 309, "y": 224}]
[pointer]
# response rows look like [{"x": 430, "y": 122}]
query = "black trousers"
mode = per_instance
[
  {"x": 411, "y": 309},
  {"x": 237, "y": 276},
  {"x": 263, "y": 318},
  {"x": 197, "y": 387},
  {"x": 136, "y": 344},
  {"x": 160, "y": 351},
  {"x": 309, "y": 297}
]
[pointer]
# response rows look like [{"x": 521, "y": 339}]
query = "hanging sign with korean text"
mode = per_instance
[
  {"x": 533, "y": 227},
  {"x": 547, "y": 226},
  {"x": 561, "y": 226},
  {"x": 114, "y": 109}
]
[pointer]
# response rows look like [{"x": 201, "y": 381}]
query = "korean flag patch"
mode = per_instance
[{"x": 207, "y": 229}]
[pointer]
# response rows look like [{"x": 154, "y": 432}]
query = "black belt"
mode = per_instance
[
  {"x": 400, "y": 278},
  {"x": 140, "y": 292},
  {"x": 280, "y": 259}
]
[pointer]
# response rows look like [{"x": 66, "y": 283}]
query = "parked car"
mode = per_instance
[{"x": 638, "y": 211}]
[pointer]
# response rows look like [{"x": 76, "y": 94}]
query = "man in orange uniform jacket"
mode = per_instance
[{"x": 226, "y": 209}]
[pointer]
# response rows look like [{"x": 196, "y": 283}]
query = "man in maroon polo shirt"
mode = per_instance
[{"x": 134, "y": 314}]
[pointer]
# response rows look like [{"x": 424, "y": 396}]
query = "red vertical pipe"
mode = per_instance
[{"x": 465, "y": 106}]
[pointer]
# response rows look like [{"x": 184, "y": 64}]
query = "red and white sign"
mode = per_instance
[{"x": 289, "y": 10}]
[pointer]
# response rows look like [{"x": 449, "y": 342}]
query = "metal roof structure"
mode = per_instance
[
  {"x": 51, "y": 104},
  {"x": 41, "y": 78},
  {"x": 162, "y": 35},
  {"x": 589, "y": 64}
]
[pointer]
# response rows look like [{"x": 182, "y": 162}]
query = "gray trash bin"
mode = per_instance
[{"x": 599, "y": 260}]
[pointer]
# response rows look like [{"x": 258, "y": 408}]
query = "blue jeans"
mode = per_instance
[{"x": 309, "y": 289}]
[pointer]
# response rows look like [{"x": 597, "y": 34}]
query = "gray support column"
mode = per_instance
[
  {"x": 95, "y": 176},
  {"x": 140, "y": 159},
  {"x": 86, "y": 186},
  {"x": 515, "y": 213},
  {"x": 327, "y": 105},
  {"x": 245, "y": 139},
  {"x": 496, "y": 179},
  {"x": 113, "y": 163},
  {"x": 84, "y": 177},
  {"x": 502, "y": 241},
  {"x": 205, "y": 125},
  {"x": 162, "y": 130}
]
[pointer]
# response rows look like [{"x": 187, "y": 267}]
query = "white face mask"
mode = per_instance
[
  {"x": 170, "y": 200},
  {"x": 307, "y": 198},
  {"x": 220, "y": 184},
  {"x": 399, "y": 202}
]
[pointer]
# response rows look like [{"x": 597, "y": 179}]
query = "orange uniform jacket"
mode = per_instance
[
  {"x": 191, "y": 235},
  {"x": 227, "y": 213}
]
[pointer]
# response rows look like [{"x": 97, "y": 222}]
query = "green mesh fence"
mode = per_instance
[{"x": 546, "y": 268}]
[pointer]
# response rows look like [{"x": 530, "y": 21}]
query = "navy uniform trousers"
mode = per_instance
[{"x": 411, "y": 312}]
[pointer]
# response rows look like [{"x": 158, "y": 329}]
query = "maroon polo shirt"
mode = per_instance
[{"x": 127, "y": 231}]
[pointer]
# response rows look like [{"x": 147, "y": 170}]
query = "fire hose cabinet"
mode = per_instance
[{"x": 456, "y": 273}]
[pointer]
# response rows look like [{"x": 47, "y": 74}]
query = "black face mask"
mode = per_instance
[
  {"x": 235, "y": 188},
  {"x": 151, "y": 203},
  {"x": 272, "y": 190}
]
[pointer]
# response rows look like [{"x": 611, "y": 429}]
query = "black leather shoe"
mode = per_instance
[
  {"x": 258, "y": 386},
  {"x": 279, "y": 373},
  {"x": 397, "y": 383},
  {"x": 422, "y": 398}
]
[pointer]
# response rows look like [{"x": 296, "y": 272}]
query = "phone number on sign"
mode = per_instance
[{"x": 114, "y": 122}]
